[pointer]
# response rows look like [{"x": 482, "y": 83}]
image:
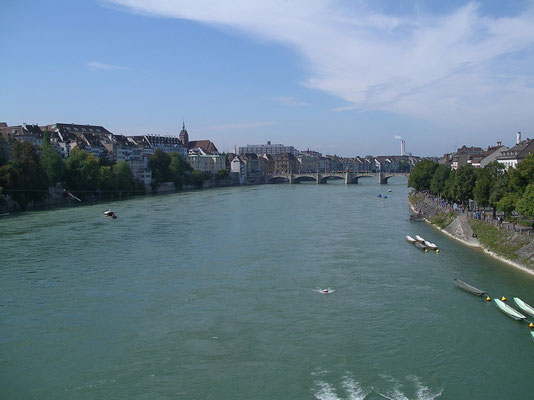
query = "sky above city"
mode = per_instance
[{"x": 337, "y": 76}]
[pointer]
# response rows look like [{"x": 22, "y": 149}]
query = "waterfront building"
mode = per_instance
[
  {"x": 65, "y": 137},
  {"x": 136, "y": 151},
  {"x": 491, "y": 154},
  {"x": 266, "y": 163},
  {"x": 167, "y": 143},
  {"x": 24, "y": 133},
  {"x": 513, "y": 156},
  {"x": 285, "y": 163},
  {"x": 202, "y": 147},
  {"x": 464, "y": 155},
  {"x": 307, "y": 163},
  {"x": 268, "y": 148},
  {"x": 211, "y": 163}
]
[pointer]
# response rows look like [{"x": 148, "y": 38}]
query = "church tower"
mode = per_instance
[{"x": 184, "y": 136}]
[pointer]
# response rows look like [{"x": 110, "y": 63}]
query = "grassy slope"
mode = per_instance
[{"x": 500, "y": 241}]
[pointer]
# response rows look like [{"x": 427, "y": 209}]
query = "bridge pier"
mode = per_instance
[{"x": 382, "y": 180}]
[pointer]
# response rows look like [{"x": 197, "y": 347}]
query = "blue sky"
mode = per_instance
[{"x": 337, "y": 76}]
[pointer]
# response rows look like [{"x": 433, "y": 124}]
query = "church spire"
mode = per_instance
[{"x": 184, "y": 136}]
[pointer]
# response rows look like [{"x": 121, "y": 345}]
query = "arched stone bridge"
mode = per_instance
[{"x": 348, "y": 177}]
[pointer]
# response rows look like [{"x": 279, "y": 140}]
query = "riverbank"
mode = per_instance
[
  {"x": 55, "y": 197},
  {"x": 511, "y": 247}
]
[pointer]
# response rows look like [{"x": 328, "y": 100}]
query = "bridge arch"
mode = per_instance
[
  {"x": 278, "y": 179},
  {"x": 326, "y": 178},
  {"x": 354, "y": 179},
  {"x": 305, "y": 178}
]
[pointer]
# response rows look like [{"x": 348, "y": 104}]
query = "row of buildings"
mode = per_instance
[
  {"x": 135, "y": 150},
  {"x": 254, "y": 167},
  {"x": 480, "y": 158}
]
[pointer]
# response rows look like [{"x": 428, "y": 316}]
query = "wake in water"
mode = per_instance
[
  {"x": 324, "y": 291},
  {"x": 353, "y": 390}
]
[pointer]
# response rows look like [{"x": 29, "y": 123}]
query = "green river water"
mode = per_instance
[{"x": 215, "y": 294}]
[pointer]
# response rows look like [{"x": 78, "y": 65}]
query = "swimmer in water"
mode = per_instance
[{"x": 325, "y": 291}]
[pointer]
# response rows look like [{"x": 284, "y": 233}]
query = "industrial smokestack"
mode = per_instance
[
  {"x": 518, "y": 138},
  {"x": 403, "y": 148}
]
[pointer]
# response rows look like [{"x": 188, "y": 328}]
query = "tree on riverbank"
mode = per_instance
[{"x": 493, "y": 186}]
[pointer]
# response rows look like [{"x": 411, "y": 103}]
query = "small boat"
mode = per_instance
[
  {"x": 511, "y": 312},
  {"x": 420, "y": 246},
  {"x": 532, "y": 333},
  {"x": 469, "y": 288},
  {"x": 110, "y": 214},
  {"x": 431, "y": 246},
  {"x": 526, "y": 308},
  {"x": 419, "y": 239},
  {"x": 410, "y": 239}
]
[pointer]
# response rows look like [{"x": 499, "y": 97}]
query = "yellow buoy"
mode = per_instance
[
  {"x": 531, "y": 325},
  {"x": 488, "y": 298},
  {"x": 503, "y": 298},
  {"x": 437, "y": 251}
]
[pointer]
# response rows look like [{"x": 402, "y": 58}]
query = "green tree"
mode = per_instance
[
  {"x": 482, "y": 189},
  {"x": 422, "y": 174},
  {"x": 108, "y": 182},
  {"x": 507, "y": 204},
  {"x": 11, "y": 182},
  {"x": 464, "y": 183},
  {"x": 449, "y": 190},
  {"x": 82, "y": 171},
  {"x": 178, "y": 167},
  {"x": 525, "y": 205},
  {"x": 222, "y": 174},
  {"x": 4, "y": 152},
  {"x": 51, "y": 161},
  {"x": 437, "y": 184},
  {"x": 197, "y": 179},
  {"x": 160, "y": 163},
  {"x": 32, "y": 177},
  {"x": 123, "y": 176},
  {"x": 522, "y": 175}
]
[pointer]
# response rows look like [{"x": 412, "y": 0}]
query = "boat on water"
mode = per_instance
[
  {"x": 469, "y": 288},
  {"x": 511, "y": 312},
  {"x": 419, "y": 239},
  {"x": 526, "y": 308},
  {"x": 110, "y": 214},
  {"x": 420, "y": 246},
  {"x": 410, "y": 239},
  {"x": 431, "y": 246},
  {"x": 532, "y": 333}
]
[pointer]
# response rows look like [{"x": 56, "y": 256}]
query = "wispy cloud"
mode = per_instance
[
  {"x": 460, "y": 66},
  {"x": 239, "y": 126},
  {"x": 290, "y": 101},
  {"x": 98, "y": 66}
]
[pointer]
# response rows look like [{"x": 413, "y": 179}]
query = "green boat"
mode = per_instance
[
  {"x": 526, "y": 308},
  {"x": 511, "y": 312}
]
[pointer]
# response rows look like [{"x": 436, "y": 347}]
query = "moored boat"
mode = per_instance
[
  {"x": 420, "y": 246},
  {"x": 469, "y": 288},
  {"x": 110, "y": 214},
  {"x": 511, "y": 312},
  {"x": 419, "y": 239},
  {"x": 410, "y": 239},
  {"x": 526, "y": 308},
  {"x": 431, "y": 246}
]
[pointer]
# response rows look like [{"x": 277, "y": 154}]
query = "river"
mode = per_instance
[{"x": 216, "y": 294}]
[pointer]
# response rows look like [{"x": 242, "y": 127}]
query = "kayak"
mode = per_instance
[
  {"x": 469, "y": 288},
  {"x": 511, "y": 312},
  {"x": 410, "y": 239},
  {"x": 526, "y": 308}
]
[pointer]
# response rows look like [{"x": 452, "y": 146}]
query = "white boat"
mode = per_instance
[
  {"x": 110, "y": 214},
  {"x": 419, "y": 239},
  {"x": 526, "y": 308},
  {"x": 410, "y": 239},
  {"x": 431, "y": 246},
  {"x": 511, "y": 312}
]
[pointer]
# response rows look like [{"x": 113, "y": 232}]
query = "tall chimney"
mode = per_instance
[
  {"x": 403, "y": 148},
  {"x": 518, "y": 137}
]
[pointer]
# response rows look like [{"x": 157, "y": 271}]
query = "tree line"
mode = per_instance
[
  {"x": 493, "y": 186},
  {"x": 26, "y": 173}
]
